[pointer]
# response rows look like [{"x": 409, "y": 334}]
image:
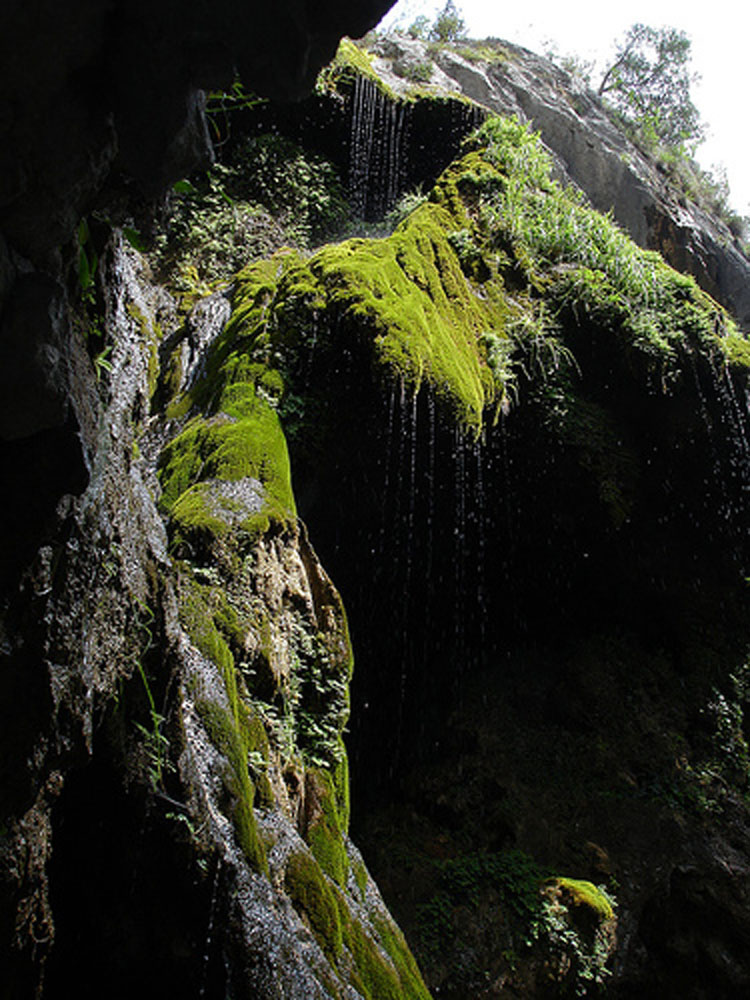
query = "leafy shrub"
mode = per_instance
[
  {"x": 302, "y": 190},
  {"x": 209, "y": 235},
  {"x": 418, "y": 72},
  {"x": 268, "y": 195}
]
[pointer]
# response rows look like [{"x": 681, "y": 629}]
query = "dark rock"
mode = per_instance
[
  {"x": 34, "y": 377},
  {"x": 105, "y": 93}
]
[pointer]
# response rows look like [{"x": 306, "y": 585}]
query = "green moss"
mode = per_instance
[
  {"x": 244, "y": 441},
  {"x": 236, "y": 731},
  {"x": 406, "y": 294},
  {"x": 736, "y": 349},
  {"x": 324, "y": 833},
  {"x": 360, "y": 877},
  {"x": 312, "y": 895},
  {"x": 341, "y": 785},
  {"x": 375, "y": 977},
  {"x": 350, "y": 62},
  {"x": 475, "y": 266},
  {"x": 395, "y": 944},
  {"x": 231, "y": 739},
  {"x": 409, "y": 292},
  {"x": 582, "y": 893},
  {"x": 198, "y": 607}
]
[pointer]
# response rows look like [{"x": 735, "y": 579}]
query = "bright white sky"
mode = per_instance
[{"x": 720, "y": 34}]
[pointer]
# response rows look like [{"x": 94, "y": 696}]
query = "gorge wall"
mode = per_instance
[{"x": 517, "y": 442}]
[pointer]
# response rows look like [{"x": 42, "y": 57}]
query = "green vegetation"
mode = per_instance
[
  {"x": 231, "y": 735},
  {"x": 419, "y": 72},
  {"x": 647, "y": 92},
  {"x": 155, "y": 741},
  {"x": 578, "y": 931},
  {"x": 567, "y": 921},
  {"x": 648, "y": 86},
  {"x": 350, "y": 62},
  {"x": 582, "y": 893},
  {"x": 241, "y": 443},
  {"x": 314, "y": 896},
  {"x": 654, "y": 309},
  {"x": 325, "y": 828},
  {"x": 449, "y": 25},
  {"x": 348, "y": 943},
  {"x": 269, "y": 194},
  {"x": 461, "y": 880},
  {"x": 486, "y": 292},
  {"x": 490, "y": 291},
  {"x": 478, "y": 293},
  {"x": 233, "y": 728}
]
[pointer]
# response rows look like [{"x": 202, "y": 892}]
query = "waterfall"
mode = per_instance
[{"x": 377, "y": 143}]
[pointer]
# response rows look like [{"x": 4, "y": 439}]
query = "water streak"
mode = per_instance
[
  {"x": 377, "y": 161},
  {"x": 210, "y": 929}
]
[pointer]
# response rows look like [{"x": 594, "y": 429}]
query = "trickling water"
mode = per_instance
[
  {"x": 360, "y": 148},
  {"x": 377, "y": 164},
  {"x": 481, "y": 541},
  {"x": 730, "y": 451},
  {"x": 412, "y": 493},
  {"x": 210, "y": 929},
  {"x": 311, "y": 351},
  {"x": 738, "y": 419},
  {"x": 387, "y": 476},
  {"x": 459, "y": 533},
  {"x": 708, "y": 423}
]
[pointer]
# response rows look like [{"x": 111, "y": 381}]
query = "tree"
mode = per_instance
[
  {"x": 449, "y": 25},
  {"x": 419, "y": 27},
  {"x": 648, "y": 84}
]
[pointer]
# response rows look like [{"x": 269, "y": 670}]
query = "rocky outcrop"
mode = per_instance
[
  {"x": 589, "y": 150},
  {"x": 129, "y": 656},
  {"x": 103, "y": 686}
]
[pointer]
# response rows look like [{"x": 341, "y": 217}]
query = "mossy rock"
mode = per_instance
[
  {"x": 375, "y": 960},
  {"x": 324, "y": 830},
  {"x": 349, "y": 63},
  {"x": 579, "y": 892},
  {"x": 500, "y": 251},
  {"x": 312, "y": 895},
  {"x": 228, "y": 472},
  {"x": 586, "y": 907},
  {"x": 229, "y": 735}
]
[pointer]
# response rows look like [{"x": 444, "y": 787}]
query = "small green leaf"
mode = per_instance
[
  {"x": 102, "y": 364},
  {"x": 84, "y": 271},
  {"x": 134, "y": 238},
  {"x": 184, "y": 187}
]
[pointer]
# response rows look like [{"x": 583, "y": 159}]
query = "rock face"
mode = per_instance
[
  {"x": 589, "y": 150},
  {"x": 520, "y": 447},
  {"x": 113, "y": 706}
]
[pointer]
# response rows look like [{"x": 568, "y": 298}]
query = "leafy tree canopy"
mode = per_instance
[
  {"x": 449, "y": 25},
  {"x": 648, "y": 84}
]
